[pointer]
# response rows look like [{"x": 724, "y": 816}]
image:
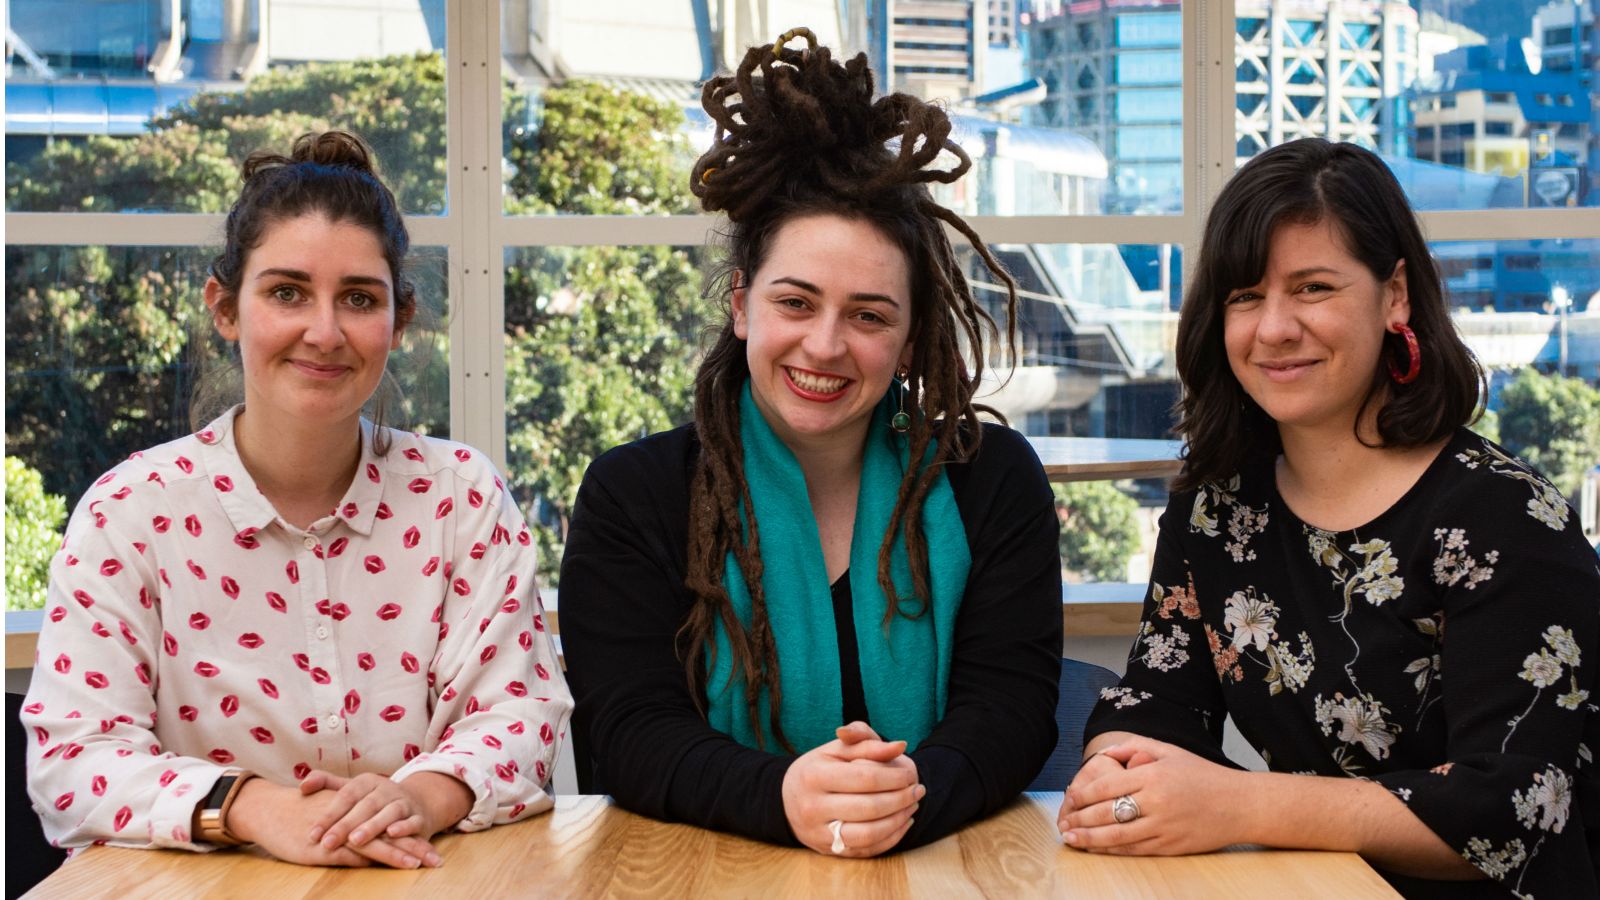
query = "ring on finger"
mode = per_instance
[
  {"x": 836, "y": 828},
  {"x": 1125, "y": 809}
]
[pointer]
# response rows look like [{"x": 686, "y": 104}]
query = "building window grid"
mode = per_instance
[{"x": 471, "y": 215}]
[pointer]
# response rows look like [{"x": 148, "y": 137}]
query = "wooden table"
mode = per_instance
[
  {"x": 1106, "y": 459},
  {"x": 588, "y": 847}
]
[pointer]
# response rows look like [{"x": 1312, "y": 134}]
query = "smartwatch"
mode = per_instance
[{"x": 214, "y": 811}]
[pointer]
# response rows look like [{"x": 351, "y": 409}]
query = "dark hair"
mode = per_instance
[
  {"x": 805, "y": 138},
  {"x": 1305, "y": 182},
  {"x": 331, "y": 173}
]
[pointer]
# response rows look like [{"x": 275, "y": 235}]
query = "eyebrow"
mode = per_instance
[
  {"x": 298, "y": 275},
  {"x": 1313, "y": 270},
  {"x": 858, "y": 295}
]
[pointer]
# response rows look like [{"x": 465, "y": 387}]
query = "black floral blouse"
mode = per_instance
[{"x": 1446, "y": 650}]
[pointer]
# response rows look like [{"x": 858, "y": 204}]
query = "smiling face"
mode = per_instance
[
  {"x": 827, "y": 321},
  {"x": 314, "y": 318},
  {"x": 1305, "y": 342}
]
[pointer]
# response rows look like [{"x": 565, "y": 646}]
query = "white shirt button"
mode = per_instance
[
  {"x": 333, "y": 720},
  {"x": 322, "y": 632},
  {"x": 310, "y": 542}
]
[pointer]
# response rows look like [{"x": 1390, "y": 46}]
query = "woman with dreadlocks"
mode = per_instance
[{"x": 828, "y": 612}]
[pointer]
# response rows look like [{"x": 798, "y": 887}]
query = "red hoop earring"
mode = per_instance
[{"x": 1413, "y": 351}]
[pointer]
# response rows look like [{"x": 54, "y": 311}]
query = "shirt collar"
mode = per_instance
[{"x": 250, "y": 511}]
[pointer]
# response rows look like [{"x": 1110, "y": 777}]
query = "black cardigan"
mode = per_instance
[{"x": 623, "y": 599}]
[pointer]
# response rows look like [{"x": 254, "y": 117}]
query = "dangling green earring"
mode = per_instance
[{"x": 901, "y": 422}]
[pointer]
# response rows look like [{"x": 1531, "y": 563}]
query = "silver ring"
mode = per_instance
[
  {"x": 1125, "y": 809},
  {"x": 836, "y": 827}
]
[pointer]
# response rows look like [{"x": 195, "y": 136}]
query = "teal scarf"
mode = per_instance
[{"x": 905, "y": 675}]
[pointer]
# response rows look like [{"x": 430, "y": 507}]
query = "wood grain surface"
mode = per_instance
[{"x": 588, "y": 847}]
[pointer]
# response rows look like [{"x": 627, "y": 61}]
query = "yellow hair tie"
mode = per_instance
[
  {"x": 790, "y": 35},
  {"x": 705, "y": 177}
]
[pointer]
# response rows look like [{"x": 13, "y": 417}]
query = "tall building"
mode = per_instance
[
  {"x": 1484, "y": 110},
  {"x": 1337, "y": 69},
  {"x": 1113, "y": 71},
  {"x": 935, "y": 48}
]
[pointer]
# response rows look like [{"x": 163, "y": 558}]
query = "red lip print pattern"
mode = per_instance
[
  {"x": 366, "y": 662},
  {"x": 97, "y": 785},
  {"x": 412, "y": 537},
  {"x": 247, "y": 538},
  {"x": 83, "y": 598},
  {"x": 122, "y": 493},
  {"x": 100, "y": 630},
  {"x": 431, "y": 566},
  {"x": 267, "y": 687},
  {"x": 63, "y": 664},
  {"x": 142, "y": 672},
  {"x": 188, "y": 713},
  {"x": 262, "y": 735},
  {"x": 337, "y": 548},
  {"x": 309, "y": 724},
  {"x": 352, "y": 702},
  {"x": 222, "y": 483},
  {"x": 516, "y": 728},
  {"x": 161, "y": 524},
  {"x": 206, "y": 670},
  {"x": 408, "y": 662},
  {"x": 230, "y": 587},
  {"x": 478, "y": 550},
  {"x": 250, "y": 640},
  {"x": 372, "y": 473},
  {"x": 199, "y": 621},
  {"x": 463, "y": 454},
  {"x": 491, "y": 741},
  {"x": 373, "y": 564},
  {"x": 444, "y": 507},
  {"x": 461, "y": 587},
  {"x": 349, "y": 510},
  {"x": 169, "y": 643},
  {"x": 110, "y": 567},
  {"x": 525, "y": 641},
  {"x": 413, "y": 454},
  {"x": 410, "y": 752},
  {"x": 384, "y": 512},
  {"x": 486, "y": 654},
  {"x": 166, "y": 777},
  {"x": 64, "y": 801},
  {"x": 320, "y": 675},
  {"x": 184, "y": 465},
  {"x": 511, "y": 605},
  {"x": 230, "y": 706},
  {"x": 419, "y": 485},
  {"x": 194, "y": 569},
  {"x": 389, "y": 611},
  {"x": 392, "y": 713},
  {"x": 122, "y": 818},
  {"x": 547, "y": 734},
  {"x": 191, "y": 524},
  {"x": 276, "y": 601},
  {"x": 221, "y": 756},
  {"x": 474, "y": 499},
  {"x": 293, "y": 571},
  {"x": 301, "y": 770},
  {"x": 57, "y": 613},
  {"x": 517, "y": 689}
]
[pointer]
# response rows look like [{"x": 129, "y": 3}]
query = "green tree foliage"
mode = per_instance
[
  {"x": 600, "y": 341},
  {"x": 1553, "y": 422},
  {"x": 33, "y": 531},
  {"x": 96, "y": 338},
  {"x": 1099, "y": 529}
]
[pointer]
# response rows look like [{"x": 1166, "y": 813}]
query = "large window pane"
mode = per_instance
[
  {"x": 1473, "y": 105},
  {"x": 139, "y": 105},
  {"x": 611, "y": 126},
  {"x": 99, "y": 361}
]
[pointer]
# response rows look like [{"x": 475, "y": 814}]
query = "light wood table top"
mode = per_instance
[
  {"x": 1106, "y": 459},
  {"x": 588, "y": 847}
]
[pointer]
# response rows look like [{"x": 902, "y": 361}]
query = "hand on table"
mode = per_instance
[
  {"x": 370, "y": 807},
  {"x": 865, "y": 782},
  {"x": 278, "y": 819},
  {"x": 1184, "y": 801}
]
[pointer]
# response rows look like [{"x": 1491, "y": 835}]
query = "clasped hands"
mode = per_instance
[
  {"x": 328, "y": 820},
  {"x": 1186, "y": 803},
  {"x": 868, "y": 784}
]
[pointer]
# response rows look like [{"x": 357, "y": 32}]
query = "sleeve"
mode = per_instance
[
  {"x": 999, "y": 725},
  {"x": 96, "y": 770},
  {"x": 501, "y": 705},
  {"x": 1517, "y": 674},
  {"x": 1170, "y": 691},
  {"x": 622, "y": 602}
]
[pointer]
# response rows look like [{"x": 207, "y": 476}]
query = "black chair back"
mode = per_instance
[
  {"x": 1081, "y": 683},
  {"x": 29, "y": 857}
]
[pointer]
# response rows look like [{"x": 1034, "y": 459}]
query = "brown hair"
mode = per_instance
[
  {"x": 806, "y": 138},
  {"x": 331, "y": 173},
  {"x": 1305, "y": 182}
]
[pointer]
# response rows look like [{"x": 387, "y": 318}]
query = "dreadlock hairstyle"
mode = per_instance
[{"x": 799, "y": 135}]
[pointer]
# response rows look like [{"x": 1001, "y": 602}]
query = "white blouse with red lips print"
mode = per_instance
[{"x": 190, "y": 629}]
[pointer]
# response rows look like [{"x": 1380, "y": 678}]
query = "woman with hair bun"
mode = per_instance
[
  {"x": 1402, "y": 617},
  {"x": 828, "y": 612},
  {"x": 297, "y": 627}
]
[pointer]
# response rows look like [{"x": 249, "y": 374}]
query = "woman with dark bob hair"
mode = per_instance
[
  {"x": 295, "y": 627},
  {"x": 828, "y": 612},
  {"x": 1401, "y": 617}
]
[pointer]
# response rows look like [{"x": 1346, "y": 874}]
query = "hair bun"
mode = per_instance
[{"x": 326, "y": 148}]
